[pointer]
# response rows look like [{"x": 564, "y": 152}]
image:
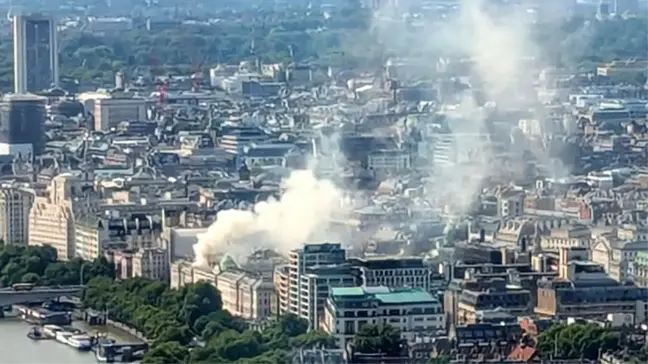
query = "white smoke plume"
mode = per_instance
[
  {"x": 302, "y": 214},
  {"x": 505, "y": 59}
]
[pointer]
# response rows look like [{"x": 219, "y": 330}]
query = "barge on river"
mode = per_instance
[{"x": 42, "y": 316}]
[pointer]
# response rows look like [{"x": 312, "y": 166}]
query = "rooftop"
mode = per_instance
[{"x": 386, "y": 295}]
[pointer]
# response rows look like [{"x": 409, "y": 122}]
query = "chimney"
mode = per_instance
[{"x": 119, "y": 80}]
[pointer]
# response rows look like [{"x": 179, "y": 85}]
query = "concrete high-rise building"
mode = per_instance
[
  {"x": 110, "y": 109},
  {"x": 300, "y": 287},
  {"x": 14, "y": 214},
  {"x": 21, "y": 125},
  {"x": 35, "y": 53}
]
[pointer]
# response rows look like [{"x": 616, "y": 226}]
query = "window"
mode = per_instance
[{"x": 349, "y": 327}]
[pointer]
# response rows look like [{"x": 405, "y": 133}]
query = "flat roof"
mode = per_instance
[
  {"x": 409, "y": 296},
  {"x": 347, "y": 291},
  {"x": 386, "y": 295}
]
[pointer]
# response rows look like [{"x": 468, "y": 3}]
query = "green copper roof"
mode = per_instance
[{"x": 385, "y": 295}]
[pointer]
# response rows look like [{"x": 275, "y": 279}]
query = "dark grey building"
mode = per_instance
[
  {"x": 21, "y": 124},
  {"x": 35, "y": 53}
]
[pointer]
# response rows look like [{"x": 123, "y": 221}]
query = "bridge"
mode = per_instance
[{"x": 9, "y": 296}]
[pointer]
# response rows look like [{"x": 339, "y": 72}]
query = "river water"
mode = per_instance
[{"x": 17, "y": 348}]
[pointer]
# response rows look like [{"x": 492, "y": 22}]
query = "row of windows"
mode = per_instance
[
  {"x": 401, "y": 272},
  {"x": 391, "y": 312}
]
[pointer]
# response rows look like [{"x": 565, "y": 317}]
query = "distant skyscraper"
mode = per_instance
[
  {"x": 22, "y": 118},
  {"x": 35, "y": 53}
]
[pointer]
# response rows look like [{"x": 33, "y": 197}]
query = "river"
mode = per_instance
[{"x": 17, "y": 348}]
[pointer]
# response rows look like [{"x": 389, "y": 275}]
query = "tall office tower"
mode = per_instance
[
  {"x": 35, "y": 53},
  {"x": 21, "y": 125},
  {"x": 15, "y": 203}
]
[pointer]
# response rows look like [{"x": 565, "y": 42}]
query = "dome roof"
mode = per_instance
[{"x": 227, "y": 263}]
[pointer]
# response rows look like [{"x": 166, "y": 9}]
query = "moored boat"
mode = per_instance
[
  {"x": 51, "y": 330},
  {"x": 80, "y": 342},
  {"x": 35, "y": 333}
]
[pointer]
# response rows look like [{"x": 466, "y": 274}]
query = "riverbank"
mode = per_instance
[{"x": 134, "y": 336}]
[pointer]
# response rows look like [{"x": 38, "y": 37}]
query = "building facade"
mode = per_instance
[
  {"x": 109, "y": 112},
  {"x": 151, "y": 263},
  {"x": 35, "y": 53},
  {"x": 295, "y": 297},
  {"x": 51, "y": 218},
  {"x": 415, "y": 312},
  {"x": 15, "y": 204},
  {"x": 22, "y": 118}
]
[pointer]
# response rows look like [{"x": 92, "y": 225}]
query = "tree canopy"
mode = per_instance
[
  {"x": 577, "y": 341},
  {"x": 346, "y": 38},
  {"x": 39, "y": 265},
  {"x": 384, "y": 339},
  {"x": 172, "y": 319}
]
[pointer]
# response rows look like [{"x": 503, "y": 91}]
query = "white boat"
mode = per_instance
[
  {"x": 77, "y": 341},
  {"x": 51, "y": 330},
  {"x": 81, "y": 342},
  {"x": 63, "y": 336}
]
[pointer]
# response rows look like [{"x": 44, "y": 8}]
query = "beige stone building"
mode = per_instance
[
  {"x": 569, "y": 236},
  {"x": 111, "y": 108},
  {"x": 617, "y": 251},
  {"x": 151, "y": 263},
  {"x": 94, "y": 236},
  {"x": 245, "y": 294},
  {"x": 51, "y": 218}
]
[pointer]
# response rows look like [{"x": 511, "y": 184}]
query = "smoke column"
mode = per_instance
[
  {"x": 504, "y": 57},
  {"x": 301, "y": 215}
]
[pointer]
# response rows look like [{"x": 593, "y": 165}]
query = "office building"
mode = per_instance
[
  {"x": 14, "y": 214},
  {"x": 110, "y": 109},
  {"x": 466, "y": 300},
  {"x": 21, "y": 125},
  {"x": 413, "y": 311},
  {"x": 35, "y": 53},
  {"x": 316, "y": 285},
  {"x": 583, "y": 289},
  {"x": 295, "y": 299},
  {"x": 410, "y": 272},
  {"x": 234, "y": 140},
  {"x": 51, "y": 218},
  {"x": 151, "y": 263},
  {"x": 389, "y": 160},
  {"x": 94, "y": 236},
  {"x": 245, "y": 294}
]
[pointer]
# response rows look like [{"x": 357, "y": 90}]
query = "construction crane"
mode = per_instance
[{"x": 162, "y": 85}]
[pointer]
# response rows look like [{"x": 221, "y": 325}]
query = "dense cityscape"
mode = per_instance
[{"x": 309, "y": 182}]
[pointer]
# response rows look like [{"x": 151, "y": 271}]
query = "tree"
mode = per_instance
[
  {"x": 383, "y": 339},
  {"x": 577, "y": 341},
  {"x": 314, "y": 339},
  {"x": 166, "y": 353},
  {"x": 200, "y": 299},
  {"x": 38, "y": 265},
  {"x": 163, "y": 314},
  {"x": 30, "y": 278}
]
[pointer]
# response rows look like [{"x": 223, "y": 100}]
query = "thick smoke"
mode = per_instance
[
  {"x": 301, "y": 215},
  {"x": 505, "y": 61}
]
